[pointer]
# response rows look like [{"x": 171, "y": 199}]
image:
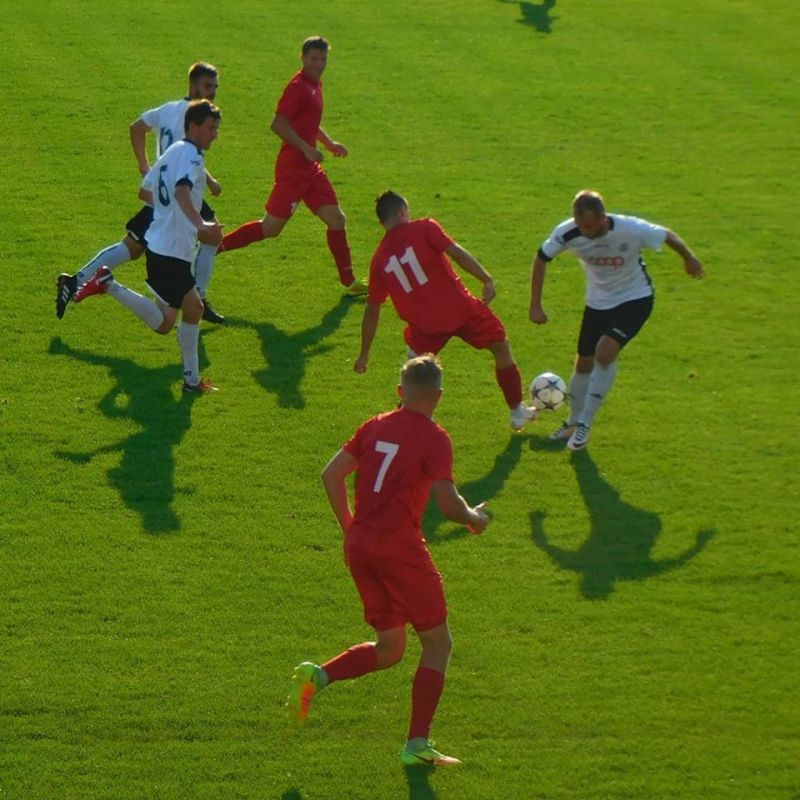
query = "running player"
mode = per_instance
[
  {"x": 399, "y": 456},
  {"x": 619, "y": 297},
  {"x": 177, "y": 180},
  {"x": 167, "y": 123},
  {"x": 411, "y": 266},
  {"x": 298, "y": 174}
]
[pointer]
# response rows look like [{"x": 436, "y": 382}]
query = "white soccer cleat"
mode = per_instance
[
  {"x": 521, "y": 415},
  {"x": 579, "y": 438}
]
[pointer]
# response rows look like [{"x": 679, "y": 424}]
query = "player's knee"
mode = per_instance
[
  {"x": 135, "y": 250},
  {"x": 271, "y": 227},
  {"x": 389, "y": 653}
]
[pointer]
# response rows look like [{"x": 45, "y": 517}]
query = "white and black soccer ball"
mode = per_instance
[{"x": 548, "y": 392}]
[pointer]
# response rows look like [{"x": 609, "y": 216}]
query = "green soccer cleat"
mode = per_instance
[
  {"x": 356, "y": 288},
  {"x": 302, "y": 692},
  {"x": 423, "y": 755}
]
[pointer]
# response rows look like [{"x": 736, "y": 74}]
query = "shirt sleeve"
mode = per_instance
[
  {"x": 437, "y": 238},
  {"x": 152, "y": 117},
  {"x": 553, "y": 245},
  {"x": 291, "y": 100},
  {"x": 377, "y": 287},
  {"x": 653, "y": 236},
  {"x": 355, "y": 444},
  {"x": 439, "y": 464}
]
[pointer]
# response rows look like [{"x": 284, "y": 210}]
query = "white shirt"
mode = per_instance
[
  {"x": 171, "y": 232},
  {"x": 613, "y": 263},
  {"x": 167, "y": 122}
]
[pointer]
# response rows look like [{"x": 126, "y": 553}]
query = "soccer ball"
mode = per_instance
[{"x": 548, "y": 392}]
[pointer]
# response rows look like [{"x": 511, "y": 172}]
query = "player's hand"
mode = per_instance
[
  {"x": 693, "y": 267},
  {"x": 478, "y": 526},
  {"x": 537, "y": 316},
  {"x": 338, "y": 149},
  {"x": 210, "y": 233},
  {"x": 360, "y": 365},
  {"x": 489, "y": 292},
  {"x": 144, "y": 169},
  {"x": 312, "y": 154},
  {"x": 214, "y": 186}
]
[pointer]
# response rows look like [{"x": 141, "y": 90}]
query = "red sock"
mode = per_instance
[
  {"x": 353, "y": 663},
  {"x": 425, "y": 694},
  {"x": 510, "y": 381},
  {"x": 244, "y": 235},
  {"x": 337, "y": 244}
]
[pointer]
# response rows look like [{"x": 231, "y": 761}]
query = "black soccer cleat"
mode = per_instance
[
  {"x": 66, "y": 286},
  {"x": 209, "y": 315}
]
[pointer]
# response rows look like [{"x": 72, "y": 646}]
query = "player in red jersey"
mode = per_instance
[
  {"x": 298, "y": 174},
  {"x": 399, "y": 456},
  {"x": 411, "y": 266}
]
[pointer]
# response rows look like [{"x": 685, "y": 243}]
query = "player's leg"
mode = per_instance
[
  {"x": 321, "y": 199},
  {"x": 204, "y": 266},
  {"x": 188, "y": 338},
  {"x": 621, "y": 326}
]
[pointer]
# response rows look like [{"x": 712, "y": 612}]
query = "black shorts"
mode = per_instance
[
  {"x": 138, "y": 224},
  {"x": 170, "y": 279},
  {"x": 622, "y": 323}
]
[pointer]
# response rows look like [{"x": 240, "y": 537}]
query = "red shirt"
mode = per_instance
[
  {"x": 399, "y": 455},
  {"x": 411, "y": 267},
  {"x": 301, "y": 104}
]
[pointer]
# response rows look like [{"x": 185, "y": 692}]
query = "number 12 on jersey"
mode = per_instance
[
  {"x": 409, "y": 258},
  {"x": 389, "y": 450}
]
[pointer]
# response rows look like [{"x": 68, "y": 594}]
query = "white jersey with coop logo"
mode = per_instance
[
  {"x": 171, "y": 232},
  {"x": 167, "y": 123},
  {"x": 613, "y": 263}
]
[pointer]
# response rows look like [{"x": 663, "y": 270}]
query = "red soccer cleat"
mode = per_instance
[{"x": 97, "y": 284}]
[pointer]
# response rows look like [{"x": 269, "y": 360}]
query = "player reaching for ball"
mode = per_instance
[
  {"x": 398, "y": 456},
  {"x": 411, "y": 266},
  {"x": 619, "y": 297}
]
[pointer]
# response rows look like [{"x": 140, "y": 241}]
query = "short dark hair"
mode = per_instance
[
  {"x": 588, "y": 201},
  {"x": 388, "y": 204},
  {"x": 202, "y": 69},
  {"x": 198, "y": 111},
  {"x": 316, "y": 43},
  {"x": 421, "y": 375}
]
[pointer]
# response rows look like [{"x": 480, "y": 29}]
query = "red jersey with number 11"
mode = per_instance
[
  {"x": 399, "y": 455},
  {"x": 411, "y": 267}
]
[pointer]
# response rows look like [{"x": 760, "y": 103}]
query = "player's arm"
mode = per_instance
[
  {"x": 138, "y": 132},
  {"x": 455, "y": 508},
  {"x": 369, "y": 327},
  {"x": 213, "y": 184},
  {"x": 538, "y": 271},
  {"x": 333, "y": 477},
  {"x": 146, "y": 196},
  {"x": 282, "y": 127},
  {"x": 691, "y": 263},
  {"x": 207, "y": 232},
  {"x": 337, "y": 148},
  {"x": 470, "y": 264}
]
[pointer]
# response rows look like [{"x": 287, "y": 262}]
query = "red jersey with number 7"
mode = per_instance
[
  {"x": 400, "y": 454},
  {"x": 411, "y": 267}
]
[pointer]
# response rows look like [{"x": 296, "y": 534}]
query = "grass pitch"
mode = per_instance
[{"x": 627, "y": 628}]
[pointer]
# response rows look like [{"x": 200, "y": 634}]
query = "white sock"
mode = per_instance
[
  {"x": 188, "y": 337},
  {"x": 111, "y": 257},
  {"x": 203, "y": 265},
  {"x": 600, "y": 383},
  {"x": 147, "y": 311},
  {"x": 578, "y": 385}
]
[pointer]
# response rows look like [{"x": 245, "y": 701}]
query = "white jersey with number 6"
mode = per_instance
[
  {"x": 171, "y": 233},
  {"x": 613, "y": 263}
]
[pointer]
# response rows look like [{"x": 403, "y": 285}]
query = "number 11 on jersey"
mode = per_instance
[{"x": 409, "y": 258}]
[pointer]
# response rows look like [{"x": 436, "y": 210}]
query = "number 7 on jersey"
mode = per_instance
[{"x": 389, "y": 450}]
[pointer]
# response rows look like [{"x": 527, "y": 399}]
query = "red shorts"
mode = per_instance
[
  {"x": 482, "y": 329},
  {"x": 398, "y": 588},
  {"x": 311, "y": 186}
]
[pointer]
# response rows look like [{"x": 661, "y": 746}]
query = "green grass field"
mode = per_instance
[{"x": 627, "y": 627}]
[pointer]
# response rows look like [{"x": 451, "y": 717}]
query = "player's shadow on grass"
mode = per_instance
[
  {"x": 419, "y": 787},
  {"x": 145, "y": 475},
  {"x": 536, "y": 14},
  {"x": 485, "y": 488},
  {"x": 620, "y": 540},
  {"x": 285, "y": 354}
]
